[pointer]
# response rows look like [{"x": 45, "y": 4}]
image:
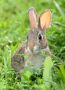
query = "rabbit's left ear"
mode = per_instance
[
  {"x": 45, "y": 19},
  {"x": 32, "y": 18}
]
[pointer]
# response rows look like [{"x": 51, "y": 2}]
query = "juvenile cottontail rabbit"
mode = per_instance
[{"x": 36, "y": 42}]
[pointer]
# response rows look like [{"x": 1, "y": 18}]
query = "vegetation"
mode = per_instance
[{"x": 14, "y": 26}]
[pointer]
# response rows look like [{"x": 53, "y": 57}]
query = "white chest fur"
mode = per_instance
[{"x": 35, "y": 60}]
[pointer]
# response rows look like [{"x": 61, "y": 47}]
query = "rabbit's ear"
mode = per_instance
[
  {"x": 45, "y": 19},
  {"x": 32, "y": 18}
]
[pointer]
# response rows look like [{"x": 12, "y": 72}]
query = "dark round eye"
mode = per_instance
[{"x": 40, "y": 37}]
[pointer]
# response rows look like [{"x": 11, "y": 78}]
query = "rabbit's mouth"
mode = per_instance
[{"x": 35, "y": 50}]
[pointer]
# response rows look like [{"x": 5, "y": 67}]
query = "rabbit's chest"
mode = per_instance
[{"x": 36, "y": 61}]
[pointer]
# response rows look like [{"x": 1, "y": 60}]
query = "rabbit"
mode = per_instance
[{"x": 35, "y": 44}]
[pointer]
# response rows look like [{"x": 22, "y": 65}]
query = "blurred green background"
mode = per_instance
[{"x": 14, "y": 26}]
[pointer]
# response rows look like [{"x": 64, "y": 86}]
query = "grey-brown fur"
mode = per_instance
[{"x": 36, "y": 42}]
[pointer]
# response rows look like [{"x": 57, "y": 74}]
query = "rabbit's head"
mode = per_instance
[{"x": 38, "y": 25}]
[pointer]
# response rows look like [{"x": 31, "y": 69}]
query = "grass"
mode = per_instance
[{"x": 14, "y": 26}]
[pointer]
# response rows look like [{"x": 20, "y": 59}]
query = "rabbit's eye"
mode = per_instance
[{"x": 40, "y": 37}]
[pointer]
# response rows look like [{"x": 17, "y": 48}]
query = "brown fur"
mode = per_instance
[{"x": 36, "y": 42}]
